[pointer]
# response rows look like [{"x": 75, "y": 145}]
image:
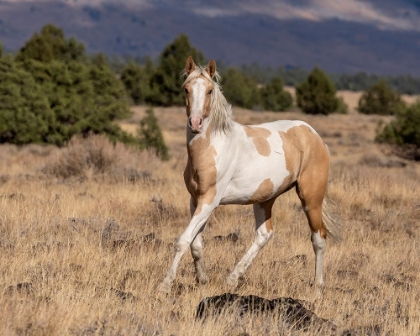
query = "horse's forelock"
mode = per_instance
[{"x": 200, "y": 71}]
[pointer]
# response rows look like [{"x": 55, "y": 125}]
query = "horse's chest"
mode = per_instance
[{"x": 200, "y": 175}]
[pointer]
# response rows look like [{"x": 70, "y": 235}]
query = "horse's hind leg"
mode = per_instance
[
  {"x": 264, "y": 231},
  {"x": 311, "y": 190},
  {"x": 197, "y": 254}
]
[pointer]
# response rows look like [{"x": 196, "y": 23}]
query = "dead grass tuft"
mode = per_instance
[{"x": 96, "y": 156}]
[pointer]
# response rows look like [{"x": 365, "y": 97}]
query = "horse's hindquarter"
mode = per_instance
[{"x": 268, "y": 162}]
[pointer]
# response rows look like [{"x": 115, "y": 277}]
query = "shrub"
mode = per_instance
[
  {"x": 151, "y": 136},
  {"x": 342, "y": 107},
  {"x": 93, "y": 155},
  {"x": 274, "y": 97},
  {"x": 316, "y": 95},
  {"x": 240, "y": 89},
  {"x": 404, "y": 132},
  {"x": 380, "y": 99}
]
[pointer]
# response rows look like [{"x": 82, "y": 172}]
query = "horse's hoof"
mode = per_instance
[
  {"x": 318, "y": 291},
  {"x": 232, "y": 281},
  {"x": 203, "y": 280}
]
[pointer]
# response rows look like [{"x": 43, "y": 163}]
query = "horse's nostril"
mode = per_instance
[{"x": 189, "y": 122}]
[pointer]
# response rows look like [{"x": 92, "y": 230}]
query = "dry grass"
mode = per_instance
[{"x": 77, "y": 257}]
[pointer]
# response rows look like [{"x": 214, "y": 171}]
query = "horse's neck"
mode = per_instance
[{"x": 199, "y": 144}]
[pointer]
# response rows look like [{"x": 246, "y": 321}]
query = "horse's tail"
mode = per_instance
[{"x": 331, "y": 219}]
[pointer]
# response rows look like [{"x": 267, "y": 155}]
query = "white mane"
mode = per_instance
[{"x": 221, "y": 110}]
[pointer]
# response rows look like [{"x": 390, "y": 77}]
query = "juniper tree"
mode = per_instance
[
  {"x": 274, "y": 97},
  {"x": 150, "y": 135},
  {"x": 165, "y": 84},
  {"x": 25, "y": 114},
  {"x": 240, "y": 89},
  {"x": 380, "y": 99},
  {"x": 317, "y": 94}
]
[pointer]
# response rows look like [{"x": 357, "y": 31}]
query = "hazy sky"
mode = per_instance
[{"x": 391, "y": 14}]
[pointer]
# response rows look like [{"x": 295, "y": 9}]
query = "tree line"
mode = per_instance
[{"x": 52, "y": 90}]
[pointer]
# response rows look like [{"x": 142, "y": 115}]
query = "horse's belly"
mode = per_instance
[{"x": 257, "y": 185}]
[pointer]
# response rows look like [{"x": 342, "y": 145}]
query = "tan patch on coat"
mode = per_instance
[
  {"x": 259, "y": 136},
  {"x": 307, "y": 156},
  {"x": 268, "y": 206},
  {"x": 293, "y": 154},
  {"x": 263, "y": 192},
  {"x": 200, "y": 175}
]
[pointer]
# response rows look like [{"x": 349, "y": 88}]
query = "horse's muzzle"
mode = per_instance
[{"x": 195, "y": 123}]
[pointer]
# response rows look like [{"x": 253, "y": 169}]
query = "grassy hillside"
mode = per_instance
[{"x": 83, "y": 255}]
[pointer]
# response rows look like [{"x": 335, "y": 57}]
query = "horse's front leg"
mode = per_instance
[
  {"x": 197, "y": 250},
  {"x": 198, "y": 220}
]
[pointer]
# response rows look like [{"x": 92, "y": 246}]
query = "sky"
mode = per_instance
[{"x": 384, "y": 14}]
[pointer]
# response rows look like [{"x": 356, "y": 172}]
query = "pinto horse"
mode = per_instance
[{"x": 230, "y": 163}]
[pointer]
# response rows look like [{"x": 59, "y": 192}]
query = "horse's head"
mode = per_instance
[{"x": 198, "y": 93}]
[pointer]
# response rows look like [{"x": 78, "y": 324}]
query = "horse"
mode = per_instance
[{"x": 230, "y": 163}]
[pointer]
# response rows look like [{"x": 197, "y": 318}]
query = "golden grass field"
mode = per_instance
[{"x": 77, "y": 257}]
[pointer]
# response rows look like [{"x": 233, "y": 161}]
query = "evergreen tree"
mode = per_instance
[
  {"x": 274, "y": 97},
  {"x": 380, "y": 99},
  {"x": 240, "y": 89},
  {"x": 316, "y": 95},
  {"x": 25, "y": 114},
  {"x": 85, "y": 97},
  {"x": 136, "y": 80},
  {"x": 166, "y": 82},
  {"x": 151, "y": 136},
  {"x": 51, "y": 45},
  {"x": 405, "y": 129},
  {"x": 109, "y": 93}
]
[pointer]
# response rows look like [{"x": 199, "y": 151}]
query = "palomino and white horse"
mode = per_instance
[{"x": 230, "y": 163}]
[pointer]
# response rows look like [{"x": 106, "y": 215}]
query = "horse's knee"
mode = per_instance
[
  {"x": 181, "y": 245},
  {"x": 196, "y": 251},
  {"x": 262, "y": 238}
]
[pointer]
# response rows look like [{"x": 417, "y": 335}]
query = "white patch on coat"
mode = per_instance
[{"x": 247, "y": 169}]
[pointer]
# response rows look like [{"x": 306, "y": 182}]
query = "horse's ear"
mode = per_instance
[
  {"x": 211, "y": 68},
  {"x": 189, "y": 65}
]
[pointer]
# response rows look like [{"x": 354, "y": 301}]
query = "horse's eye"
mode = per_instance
[
  {"x": 210, "y": 91},
  {"x": 186, "y": 90}
]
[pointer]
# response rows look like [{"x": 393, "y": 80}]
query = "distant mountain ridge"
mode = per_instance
[{"x": 383, "y": 38}]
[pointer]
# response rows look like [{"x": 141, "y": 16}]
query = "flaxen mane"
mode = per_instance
[{"x": 221, "y": 110}]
